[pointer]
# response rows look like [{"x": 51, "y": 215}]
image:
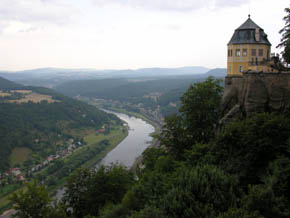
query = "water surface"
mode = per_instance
[{"x": 133, "y": 145}]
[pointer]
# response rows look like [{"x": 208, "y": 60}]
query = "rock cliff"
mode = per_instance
[{"x": 255, "y": 92}]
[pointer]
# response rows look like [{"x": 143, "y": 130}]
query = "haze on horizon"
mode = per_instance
[{"x": 122, "y": 34}]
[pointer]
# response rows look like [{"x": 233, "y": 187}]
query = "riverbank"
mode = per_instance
[
  {"x": 153, "y": 143},
  {"x": 139, "y": 138},
  {"x": 93, "y": 142}
]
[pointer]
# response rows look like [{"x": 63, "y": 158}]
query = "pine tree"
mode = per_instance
[{"x": 285, "y": 40}]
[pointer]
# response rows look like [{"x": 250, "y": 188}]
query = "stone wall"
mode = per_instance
[{"x": 255, "y": 92}]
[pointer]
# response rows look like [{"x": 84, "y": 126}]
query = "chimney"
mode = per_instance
[{"x": 257, "y": 34}]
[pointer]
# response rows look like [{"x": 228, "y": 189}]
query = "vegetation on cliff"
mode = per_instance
[
  {"x": 285, "y": 40},
  {"x": 243, "y": 170}
]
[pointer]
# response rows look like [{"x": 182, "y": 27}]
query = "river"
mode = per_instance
[
  {"x": 129, "y": 149},
  {"x": 133, "y": 145}
]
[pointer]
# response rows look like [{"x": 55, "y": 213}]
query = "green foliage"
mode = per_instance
[
  {"x": 6, "y": 84},
  {"x": 240, "y": 213},
  {"x": 241, "y": 171},
  {"x": 76, "y": 194},
  {"x": 22, "y": 124},
  {"x": 203, "y": 191},
  {"x": 114, "y": 211},
  {"x": 285, "y": 40},
  {"x": 148, "y": 212},
  {"x": 87, "y": 191},
  {"x": 170, "y": 89},
  {"x": 197, "y": 119},
  {"x": 200, "y": 108},
  {"x": 262, "y": 198},
  {"x": 247, "y": 147},
  {"x": 34, "y": 202}
]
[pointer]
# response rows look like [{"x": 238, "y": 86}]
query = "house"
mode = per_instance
[
  {"x": 248, "y": 50},
  {"x": 70, "y": 141},
  {"x": 15, "y": 172},
  {"x": 50, "y": 158},
  {"x": 100, "y": 131},
  {"x": 21, "y": 177}
]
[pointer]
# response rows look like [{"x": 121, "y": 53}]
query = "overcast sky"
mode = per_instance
[{"x": 122, "y": 34}]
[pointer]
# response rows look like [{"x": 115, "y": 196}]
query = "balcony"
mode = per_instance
[{"x": 259, "y": 63}]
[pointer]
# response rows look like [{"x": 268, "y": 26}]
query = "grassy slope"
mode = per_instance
[
  {"x": 114, "y": 138},
  {"x": 19, "y": 156}
]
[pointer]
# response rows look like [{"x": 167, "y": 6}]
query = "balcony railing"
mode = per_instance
[{"x": 259, "y": 63}]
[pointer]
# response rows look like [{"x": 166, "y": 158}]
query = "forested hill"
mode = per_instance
[
  {"x": 39, "y": 118},
  {"x": 7, "y": 84},
  {"x": 240, "y": 171}
]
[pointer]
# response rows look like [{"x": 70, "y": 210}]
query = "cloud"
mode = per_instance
[
  {"x": 173, "y": 5},
  {"x": 33, "y": 13}
]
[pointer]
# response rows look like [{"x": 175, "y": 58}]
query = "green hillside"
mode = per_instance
[
  {"x": 40, "y": 119},
  {"x": 131, "y": 94},
  {"x": 240, "y": 171},
  {"x": 6, "y": 84}
]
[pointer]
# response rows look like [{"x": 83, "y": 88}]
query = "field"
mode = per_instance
[
  {"x": 22, "y": 91},
  {"x": 19, "y": 155},
  {"x": 4, "y": 94},
  {"x": 92, "y": 140},
  {"x": 35, "y": 98}
]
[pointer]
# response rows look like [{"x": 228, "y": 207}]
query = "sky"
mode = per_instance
[{"x": 127, "y": 34}]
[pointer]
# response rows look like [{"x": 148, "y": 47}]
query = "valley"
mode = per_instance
[{"x": 47, "y": 136}]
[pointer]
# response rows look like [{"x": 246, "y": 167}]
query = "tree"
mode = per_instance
[
  {"x": 34, "y": 201},
  {"x": 197, "y": 119},
  {"x": 247, "y": 147},
  {"x": 87, "y": 192},
  {"x": 76, "y": 192},
  {"x": 203, "y": 191},
  {"x": 200, "y": 108},
  {"x": 285, "y": 40}
]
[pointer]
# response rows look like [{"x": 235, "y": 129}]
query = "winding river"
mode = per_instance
[
  {"x": 128, "y": 150},
  {"x": 133, "y": 145}
]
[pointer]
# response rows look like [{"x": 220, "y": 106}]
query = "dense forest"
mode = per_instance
[
  {"x": 6, "y": 84},
  {"x": 134, "y": 93},
  {"x": 200, "y": 169},
  {"x": 40, "y": 126}
]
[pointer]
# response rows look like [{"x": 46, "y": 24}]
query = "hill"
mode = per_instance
[
  {"x": 240, "y": 171},
  {"x": 159, "y": 95},
  {"x": 39, "y": 120},
  {"x": 50, "y": 77},
  {"x": 7, "y": 84},
  {"x": 217, "y": 72}
]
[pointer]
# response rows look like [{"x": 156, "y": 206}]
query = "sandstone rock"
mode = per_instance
[{"x": 255, "y": 92}]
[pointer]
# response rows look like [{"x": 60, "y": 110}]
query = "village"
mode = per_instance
[{"x": 17, "y": 175}]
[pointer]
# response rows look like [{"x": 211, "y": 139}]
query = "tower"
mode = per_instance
[{"x": 248, "y": 50}]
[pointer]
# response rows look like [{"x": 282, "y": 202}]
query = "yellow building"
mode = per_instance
[{"x": 248, "y": 50}]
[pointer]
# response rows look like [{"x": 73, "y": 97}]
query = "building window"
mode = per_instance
[
  {"x": 268, "y": 54},
  {"x": 230, "y": 68},
  {"x": 254, "y": 52},
  {"x": 245, "y": 52},
  {"x": 241, "y": 69},
  {"x": 238, "y": 52},
  {"x": 229, "y": 53},
  {"x": 261, "y": 53}
]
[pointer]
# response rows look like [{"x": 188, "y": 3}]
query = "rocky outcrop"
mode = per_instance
[{"x": 255, "y": 92}]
